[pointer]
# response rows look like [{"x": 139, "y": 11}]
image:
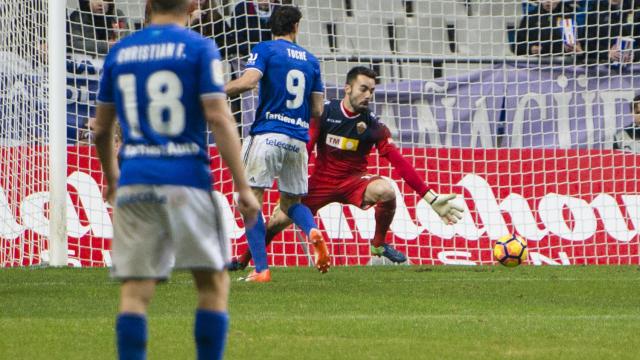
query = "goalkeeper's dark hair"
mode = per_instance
[
  {"x": 170, "y": 6},
  {"x": 634, "y": 103},
  {"x": 361, "y": 70},
  {"x": 283, "y": 21}
]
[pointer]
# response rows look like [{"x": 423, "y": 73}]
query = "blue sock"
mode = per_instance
[
  {"x": 211, "y": 333},
  {"x": 255, "y": 238},
  {"x": 301, "y": 216},
  {"x": 131, "y": 333}
]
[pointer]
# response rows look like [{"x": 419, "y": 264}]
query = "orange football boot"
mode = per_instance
[
  {"x": 321, "y": 252},
  {"x": 261, "y": 277}
]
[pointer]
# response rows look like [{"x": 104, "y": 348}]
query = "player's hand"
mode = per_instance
[
  {"x": 449, "y": 212},
  {"x": 614, "y": 54},
  {"x": 110, "y": 194},
  {"x": 112, "y": 185},
  {"x": 248, "y": 206}
]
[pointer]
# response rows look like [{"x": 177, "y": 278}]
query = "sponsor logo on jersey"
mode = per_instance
[
  {"x": 334, "y": 121},
  {"x": 282, "y": 145},
  {"x": 253, "y": 57},
  {"x": 342, "y": 143},
  {"x": 148, "y": 197},
  {"x": 288, "y": 120},
  {"x": 170, "y": 149}
]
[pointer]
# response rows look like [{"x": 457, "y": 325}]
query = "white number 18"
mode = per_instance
[{"x": 164, "y": 90}]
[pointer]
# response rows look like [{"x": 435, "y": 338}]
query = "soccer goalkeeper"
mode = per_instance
[{"x": 345, "y": 134}]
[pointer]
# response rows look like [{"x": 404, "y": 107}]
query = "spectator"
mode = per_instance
[
  {"x": 95, "y": 27},
  {"x": 208, "y": 21},
  {"x": 628, "y": 139},
  {"x": 251, "y": 23},
  {"x": 540, "y": 32},
  {"x": 605, "y": 22}
]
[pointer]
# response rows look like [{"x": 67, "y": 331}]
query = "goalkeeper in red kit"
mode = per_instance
[{"x": 345, "y": 135}]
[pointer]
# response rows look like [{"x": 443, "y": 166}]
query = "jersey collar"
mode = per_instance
[{"x": 348, "y": 114}]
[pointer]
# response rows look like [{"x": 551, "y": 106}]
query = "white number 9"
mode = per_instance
[{"x": 295, "y": 87}]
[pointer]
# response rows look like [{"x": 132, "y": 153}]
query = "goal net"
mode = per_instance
[
  {"x": 23, "y": 132},
  {"x": 524, "y": 108}
]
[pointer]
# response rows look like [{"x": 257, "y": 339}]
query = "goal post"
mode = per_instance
[
  {"x": 57, "y": 92},
  {"x": 535, "y": 130}
]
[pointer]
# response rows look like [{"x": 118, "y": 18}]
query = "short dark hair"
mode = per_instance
[
  {"x": 634, "y": 103},
  {"x": 361, "y": 70},
  {"x": 170, "y": 6},
  {"x": 284, "y": 19}
]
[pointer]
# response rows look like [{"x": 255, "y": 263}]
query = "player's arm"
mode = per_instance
[
  {"x": 248, "y": 81},
  {"x": 441, "y": 203},
  {"x": 223, "y": 126},
  {"x": 314, "y": 133},
  {"x": 317, "y": 104},
  {"x": 256, "y": 67},
  {"x": 317, "y": 93},
  {"x": 104, "y": 128}
]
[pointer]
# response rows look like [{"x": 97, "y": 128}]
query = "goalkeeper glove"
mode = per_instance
[{"x": 442, "y": 204}]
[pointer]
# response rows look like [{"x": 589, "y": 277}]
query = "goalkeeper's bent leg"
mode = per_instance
[
  {"x": 385, "y": 210},
  {"x": 380, "y": 193}
]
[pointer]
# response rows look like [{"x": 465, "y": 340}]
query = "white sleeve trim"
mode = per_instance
[
  {"x": 214, "y": 95},
  {"x": 318, "y": 92},
  {"x": 255, "y": 69},
  {"x": 105, "y": 102}
]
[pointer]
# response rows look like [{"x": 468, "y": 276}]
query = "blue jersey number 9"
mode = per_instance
[
  {"x": 164, "y": 90},
  {"x": 295, "y": 87}
]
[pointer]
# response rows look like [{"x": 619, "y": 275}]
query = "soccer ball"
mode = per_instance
[{"x": 510, "y": 250}]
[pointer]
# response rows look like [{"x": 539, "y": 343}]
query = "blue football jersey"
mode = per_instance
[
  {"x": 289, "y": 75},
  {"x": 156, "y": 79}
]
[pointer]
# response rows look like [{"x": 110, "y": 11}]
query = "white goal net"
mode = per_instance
[{"x": 522, "y": 107}]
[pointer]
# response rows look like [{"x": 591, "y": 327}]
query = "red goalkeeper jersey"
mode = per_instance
[{"x": 344, "y": 142}]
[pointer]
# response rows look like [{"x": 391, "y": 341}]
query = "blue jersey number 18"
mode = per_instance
[{"x": 164, "y": 90}]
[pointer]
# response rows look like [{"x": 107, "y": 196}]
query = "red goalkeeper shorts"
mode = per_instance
[{"x": 346, "y": 191}]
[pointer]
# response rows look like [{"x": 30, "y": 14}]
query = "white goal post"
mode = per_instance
[{"x": 57, "y": 135}]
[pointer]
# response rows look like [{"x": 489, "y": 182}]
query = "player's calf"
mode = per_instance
[{"x": 277, "y": 222}]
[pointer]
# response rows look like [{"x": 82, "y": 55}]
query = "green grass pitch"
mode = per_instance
[{"x": 350, "y": 313}]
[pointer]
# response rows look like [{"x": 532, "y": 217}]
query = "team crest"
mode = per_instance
[{"x": 252, "y": 59}]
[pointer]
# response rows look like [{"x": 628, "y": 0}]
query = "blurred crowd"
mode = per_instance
[
  {"x": 98, "y": 24},
  {"x": 595, "y": 31}
]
